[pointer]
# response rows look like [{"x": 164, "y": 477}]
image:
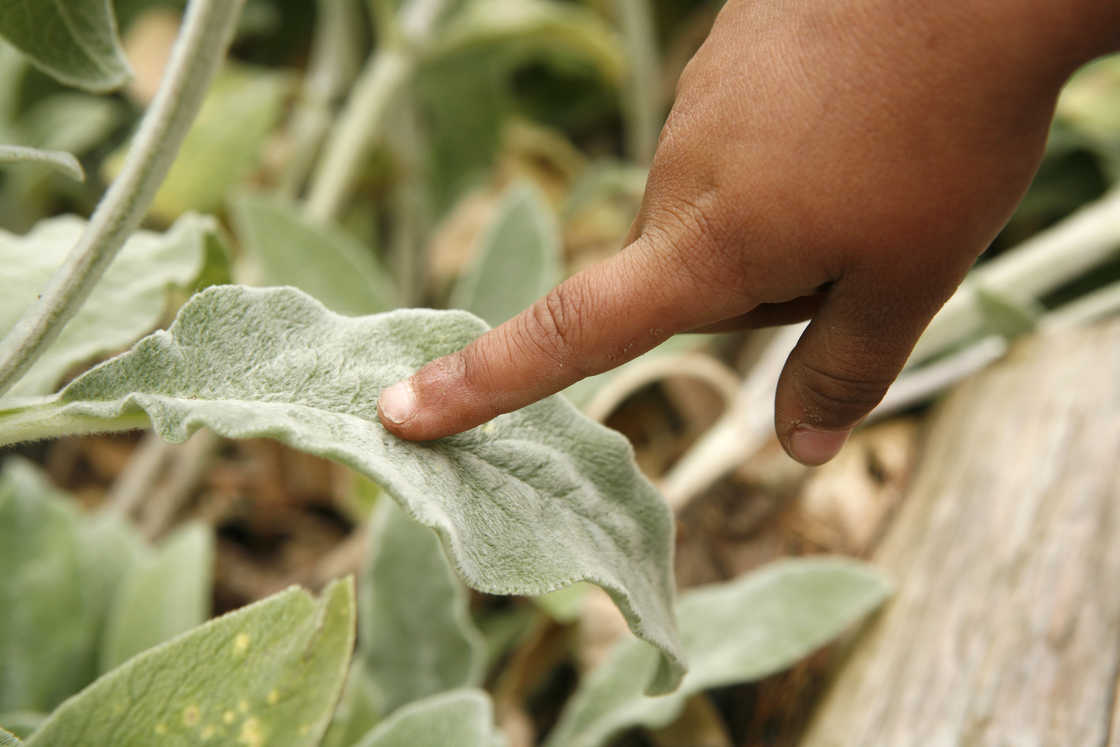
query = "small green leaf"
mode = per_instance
[
  {"x": 733, "y": 632},
  {"x": 1006, "y": 316},
  {"x": 225, "y": 142},
  {"x": 290, "y": 249},
  {"x": 58, "y": 160},
  {"x": 415, "y": 632},
  {"x": 128, "y": 302},
  {"x": 7, "y": 739},
  {"x": 563, "y": 605},
  {"x": 517, "y": 262},
  {"x": 269, "y": 673},
  {"x": 50, "y": 618},
  {"x": 463, "y": 718},
  {"x": 73, "y": 40},
  {"x": 525, "y": 504},
  {"x": 163, "y": 595}
]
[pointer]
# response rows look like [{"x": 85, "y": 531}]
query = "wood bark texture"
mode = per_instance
[{"x": 1005, "y": 626}]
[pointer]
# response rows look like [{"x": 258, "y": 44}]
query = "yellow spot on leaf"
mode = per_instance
[
  {"x": 191, "y": 714},
  {"x": 251, "y": 733},
  {"x": 228, "y": 717},
  {"x": 240, "y": 644}
]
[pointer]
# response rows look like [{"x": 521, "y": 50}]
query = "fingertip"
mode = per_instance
[
  {"x": 815, "y": 446},
  {"x": 397, "y": 406}
]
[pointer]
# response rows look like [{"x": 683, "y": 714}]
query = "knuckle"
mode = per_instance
[
  {"x": 554, "y": 325},
  {"x": 838, "y": 398}
]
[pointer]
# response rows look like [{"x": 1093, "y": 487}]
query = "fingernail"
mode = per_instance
[
  {"x": 398, "y": 403},
  {"x": 813, "y": 446}
]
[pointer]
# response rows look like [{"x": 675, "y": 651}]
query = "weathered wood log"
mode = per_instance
[{"x": 1005, "y": 627}]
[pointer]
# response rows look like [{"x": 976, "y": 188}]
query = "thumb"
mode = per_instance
[
  {"x": 845, "y": 361},
  {"x": 596, "y": 320}
]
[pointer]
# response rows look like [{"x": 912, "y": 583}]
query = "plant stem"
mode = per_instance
[
  {"x": 199, "y": 50},
  {"x": 643, "y": 105},
  {"x": 362, "y": 121}
]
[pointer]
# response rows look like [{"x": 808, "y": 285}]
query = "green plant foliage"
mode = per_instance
[
  {"x": 462, "y": 718},
  {"x": 525, "y": 504},
  {"x": 73, "y": 40},
  {"x": 51, "y": 614},
  {"x": 163, "y": 595},
  {"x": 289, "y": 249},
  {"x": 733, "y": 632},
  {"x": 1090, "y": 107},
  {"x": 22, "y": 723},
  {"x": 517, "y": 260},
  {"x": 129, "y": 301},
  {"x": 1006, "y": 316},
  {"x": 225, "y": 143},
  {"x": 563, "y": 605},
  {"x": 7, "y": 739},
  {"x": 269, "y": 673},
  {"x": 415, "y": 634},
  {"x": 358, "y": 711},
  {"x": 58, "y": 160}
]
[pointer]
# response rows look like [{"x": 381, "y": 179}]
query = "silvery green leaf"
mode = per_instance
[
  {"x": 1006, "y": 316},
  {"x": 163, "y": 595},
  {"x": 732, "y": 632},
  {"x": 7, "y": 739},
  {"x": 525, "y": 504},
  {"x": 73, "y": 40},
  {"x": 22, "y": 723},
  {"x": 225, "y": 142},
  {"x": 51, "y": 619},
  {"x": 563, "y": 605},
  {"x": 290, "y": 249},
  {"x": 128, "y": 302},
  {"x": 517, "y": 260},
  {"x": 462, "y": 718},
  {"x": 269, "y": 673},
  {"x": 415, "y": 634},
  {"x": 358, "y": 711},
  {"x": 58, "y": 160}
]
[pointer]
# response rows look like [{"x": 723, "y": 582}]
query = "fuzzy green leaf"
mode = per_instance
[
  {"x": 163, "y": 595},
  {"x": 269, "y": 673},
  {"x": 517, "y": 261},
  {"x": 358, "y": 711},
  {"x": 733, "y": 632},
  {"x": 58, "y": 160},
  {"x": 525, "y": 504},
  {"x": 290, "y": 249},
  {"x": 7, "y": 739},
  {"x": 51, "y": 614},
  {"x": 462, "y": 718},
  {"x": 415, "y": 632},
  {"x": 128, "y": 302},
  {"x": 22, "y": 723},
  {"x": 73, "y": 40}
]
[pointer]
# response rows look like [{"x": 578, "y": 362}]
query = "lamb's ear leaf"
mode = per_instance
[
  {"x": 288, "y": 248},
  {"x": 411, "y": 600},
  {"x": 7, "y": 739},
  {"x": 527, "y": 503},
  {"x": 127, "y": 303},
  {"x": 460, "y": 718},
  {"x": 778, "y": 615},
  {"x": 517, "y": 260},
  {"x": 163, "y": 595},
  {"x": 269, "y": 673},
  {"x": 74, "y": 41},
  {"x": 53, "y": 604},
  {"x": 60, "y": 161}
]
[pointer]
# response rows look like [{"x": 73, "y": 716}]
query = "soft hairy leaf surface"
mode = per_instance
[
  {"x": 73, "y": 40},
  {"x": 22, "y": 723},
  {"x": 416, "y": 637},
  {"x": 532, "y": 501},
  {"x": 463, "y": 718},
  {"x": 269, "y": 673},
  {"x": 358, "y": 711},
  {"x": 55, "y": 159},
  {"x": 517, "y": 261},
  {"x": 7, "y": 739},
  {"x": 128, "y": 302},
  {"x": 290, "y": 249},
  {"x": 51, "y": 600},
  {"x": 163, "y": 595},
  {"x": 738, "y": 631}
]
